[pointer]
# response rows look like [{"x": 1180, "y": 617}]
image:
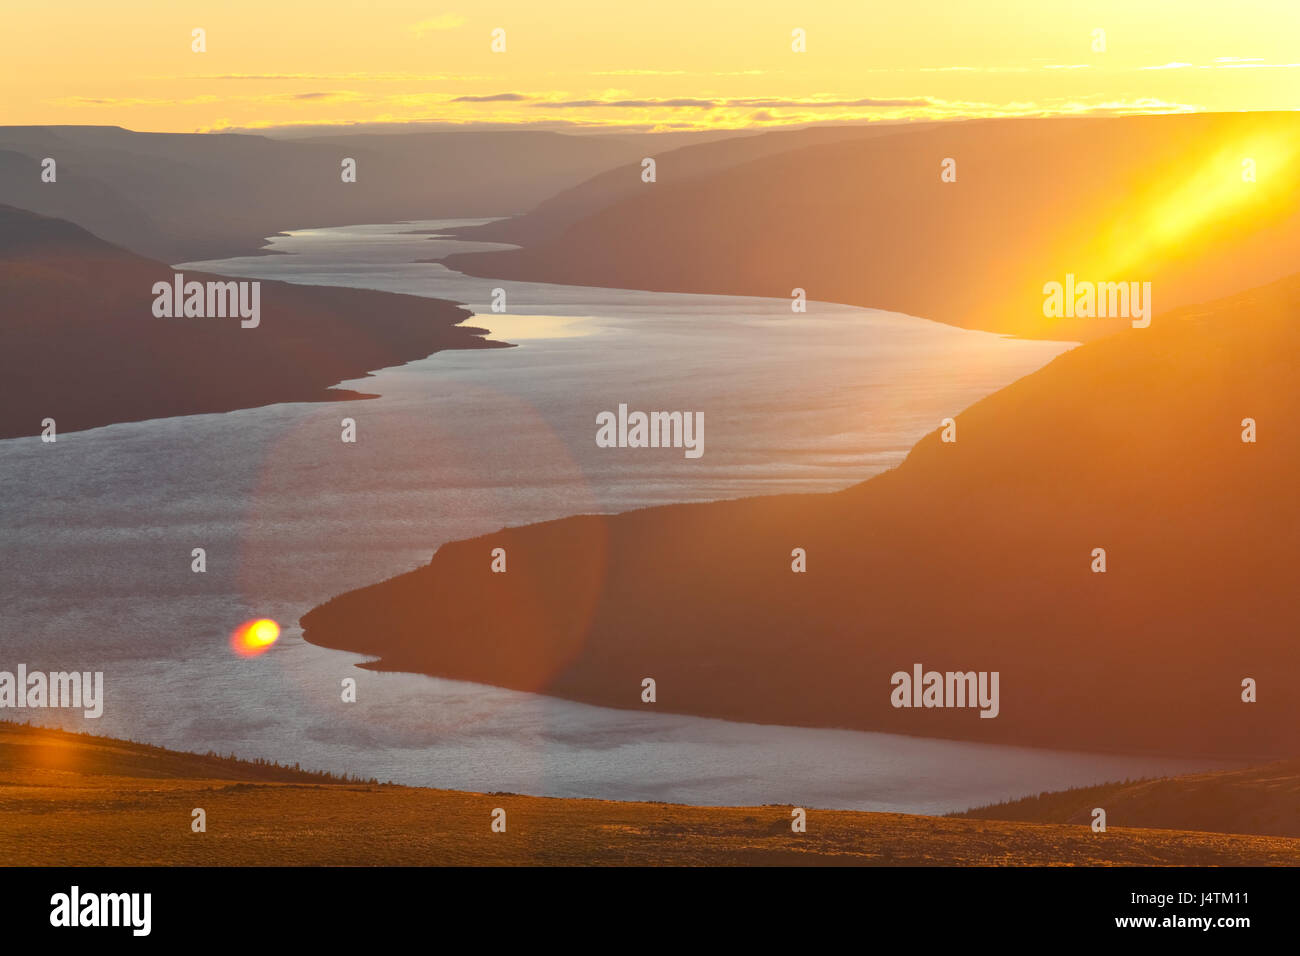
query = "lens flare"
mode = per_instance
[{"x": 255, "y": 637}]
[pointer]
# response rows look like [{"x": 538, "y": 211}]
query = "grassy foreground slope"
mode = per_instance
[{"x": 68, "y": 799}]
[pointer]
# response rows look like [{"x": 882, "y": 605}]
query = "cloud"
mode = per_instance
[
  {"x": 318, "y": 96},
  {"x": 1256, "y": 66},
  {"x": 677, "y": 103},
  {"x": 1176, "y": 65},
  {"x": 133, "y": 101},
  {"x": 639, "y": 73},
  {"x": 394, "y": 125},
  {"x": 973, "y": 69},
  {"x": 819, "y": 104},
  {"x": 677, "y": 73},
  {"x": 325, "y": 76},
  {"x": 1146, "y": 104},
  {"x": 742, "y": 103},
  {"x": 713, "y": 122},
  {"x": 312, "y": 96},
  {"x": 446, "y": 21},
  {"x": 493, "y": 98}
]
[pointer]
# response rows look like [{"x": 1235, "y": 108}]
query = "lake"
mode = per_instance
[{"x": 97, "y": 532}]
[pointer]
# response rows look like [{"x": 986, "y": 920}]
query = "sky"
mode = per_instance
[{"x": 657, "y": 65}]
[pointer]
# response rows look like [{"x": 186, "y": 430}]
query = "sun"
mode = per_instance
[{"x": 255, "y": 637}]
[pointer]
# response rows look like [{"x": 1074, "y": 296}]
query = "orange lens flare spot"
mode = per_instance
[{"x": 255, "y": 637}]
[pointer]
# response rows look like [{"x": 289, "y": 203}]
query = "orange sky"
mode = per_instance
[{"x": 665, "y": 64}]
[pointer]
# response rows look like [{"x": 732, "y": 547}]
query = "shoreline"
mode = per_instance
[
  {"x": 93, "y": 299},
  {"x": 701, "y": 596},
  {"x": 1241, "y": 761}
]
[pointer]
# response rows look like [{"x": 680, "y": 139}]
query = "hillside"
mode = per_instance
[
  {"x": 1261, "y": 800},
  {"x": 555, "y": 214},
  {"x": 82, "y": 345},
  {"x": 185, "y": 197},
  {"x": 868, "y": 220},
  {"x": 975, "y": 555},
  {"x": 72, "y": 800}
]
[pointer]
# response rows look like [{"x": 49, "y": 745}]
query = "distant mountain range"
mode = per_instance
[
  {"x": 855, "y": 214},
  {"x": 683, "y": 161},
  {"x": 187, "y": 197},
  {"x": 863, "y": 216}
]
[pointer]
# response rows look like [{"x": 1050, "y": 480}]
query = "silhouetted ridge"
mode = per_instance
[
  {"x": 81, "y": 343},
  {"x": 25, "y": 234}
]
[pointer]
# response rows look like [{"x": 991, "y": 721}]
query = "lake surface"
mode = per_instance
[{"x": 97, "y": 531}]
